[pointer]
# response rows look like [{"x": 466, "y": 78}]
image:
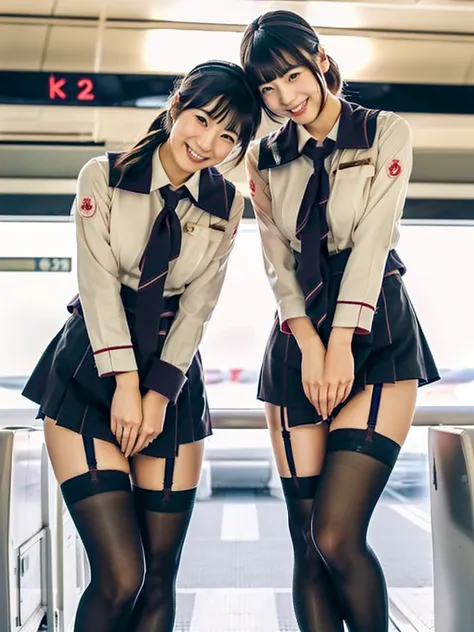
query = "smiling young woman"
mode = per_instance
[
  {"x": 346, "y": 353},
  {"x": 121, "y": 386}
]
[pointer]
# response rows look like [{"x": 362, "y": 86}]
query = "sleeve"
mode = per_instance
[
  {"x": 373, "y": 235},
  {"x": 167, "y": 373},
  {"x": 277, "y": 253},
  {"x": 98, "y": 274}
]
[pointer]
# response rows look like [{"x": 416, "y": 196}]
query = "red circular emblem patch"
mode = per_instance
[
  {"x": 394, "y": 169},
  {"x": 87, "y": 207},
  {"x": 252, "y": 187}
]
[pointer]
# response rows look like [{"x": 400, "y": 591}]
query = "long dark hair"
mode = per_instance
[
  {"x": 220, "y": 82},
  {"x": 277, "y": 41}
]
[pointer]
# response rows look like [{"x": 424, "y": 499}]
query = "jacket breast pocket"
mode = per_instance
[
  {"x": 349, "y": 197},
  {"x": 199, "y": 245}
]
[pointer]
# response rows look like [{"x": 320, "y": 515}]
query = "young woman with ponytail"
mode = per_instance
[
  {"x": 346, "y": 353},
  {"x": 121, "y": 386}
]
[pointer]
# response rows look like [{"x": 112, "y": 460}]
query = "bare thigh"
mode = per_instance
[
  {"x": 68, "y": 457},
  {"x": 149, "y": 472},
  {"x": 397, "y": 407},
  {"x": 308, "y": 444}
]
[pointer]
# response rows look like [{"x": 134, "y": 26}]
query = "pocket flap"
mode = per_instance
[
  {"x": 213, "y": 234},
  {"x": 356, "y": 171}
]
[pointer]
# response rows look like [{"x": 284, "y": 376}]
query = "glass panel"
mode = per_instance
[
  {"x": 440, "y": 260},
  {"x": 237, "y": 334},
  {"x": 33, "y": 303}
]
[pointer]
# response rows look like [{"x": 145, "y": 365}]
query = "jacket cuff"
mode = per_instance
[
  {"x": 113, "y": 360},
  {"x": 355, "y": 315},
  {"x": 293, "y": 307},
  {"x": 165, "y": 378}
]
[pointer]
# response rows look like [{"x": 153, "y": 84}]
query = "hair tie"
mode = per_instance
[{"x": 256, "y": 26}]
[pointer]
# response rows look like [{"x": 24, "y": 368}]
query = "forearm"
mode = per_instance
[{"x": 303, "y": 330}]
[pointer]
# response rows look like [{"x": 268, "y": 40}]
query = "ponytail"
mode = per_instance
[
  {"x": 141, "y": 153},
  {"x": 333, "y": 77}
]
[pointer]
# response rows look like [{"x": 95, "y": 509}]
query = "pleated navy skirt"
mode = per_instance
[
  {"x": 66, "y": 385},
  {"x": 395, "y": 350}
]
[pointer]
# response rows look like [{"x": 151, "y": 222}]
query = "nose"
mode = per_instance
[
  {"x": 286, "y": 95},
  {"x": 206, "y": 141}
]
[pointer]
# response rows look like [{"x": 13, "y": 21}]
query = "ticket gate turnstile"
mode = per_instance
[
  {"x": 68, "y": 572},
  {"x": 451, "y": 458},
  {"x": 43, "y": 568},
  {"x": 23, "y": 537}
]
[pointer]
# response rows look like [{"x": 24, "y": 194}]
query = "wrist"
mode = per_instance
[
  {"x": 127, "y": 380},
  {"x": 304, "y": 332},
  {"x": 310, "y": 343},
  {"x": 341, "y": 336},
  {"x": 158, "y": 397}
]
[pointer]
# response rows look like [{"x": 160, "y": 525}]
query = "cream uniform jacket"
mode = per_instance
[
  {"x": 368, "y": 175},
  {"x": 113, "y": 227}
]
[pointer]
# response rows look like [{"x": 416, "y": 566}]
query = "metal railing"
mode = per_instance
[
  {"x": 424, "y": 416},
  {"x": 254, "y": 418}
]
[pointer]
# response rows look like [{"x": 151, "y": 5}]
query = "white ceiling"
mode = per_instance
[
  {"x": 417, "y": 41},
  {"x": 419, "y": 15}
]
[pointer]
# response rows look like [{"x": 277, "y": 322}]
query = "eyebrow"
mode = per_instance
[
  {"x": 289, "y": 69},
  {"x": 227, "y": 129}
]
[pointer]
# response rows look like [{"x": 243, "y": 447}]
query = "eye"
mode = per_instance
[
  {"x": 201, "y": 119},
  {"x": 293, "y": 76},
  {"x": 265, "y": 89},
  {"x": 229, "y": 138}
]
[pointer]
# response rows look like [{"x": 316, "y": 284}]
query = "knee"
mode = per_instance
[
  {"x": 308, "y": 561},
  {"x": 122, "y": 590},
  {"x": 160, "y": 575},
  {"x": 334, "y": 546}
]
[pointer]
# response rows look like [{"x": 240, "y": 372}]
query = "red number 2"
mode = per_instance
[{"x": 86, "y": 93}]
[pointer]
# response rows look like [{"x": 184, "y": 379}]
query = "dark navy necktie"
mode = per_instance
[
  {"x": 163, "y": 246},
  {"x": 312, "y": 230}
]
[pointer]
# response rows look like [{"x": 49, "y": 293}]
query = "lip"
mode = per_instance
[
  {"x": 192, "y": 158},
  {"x": 302, "y": 111}
]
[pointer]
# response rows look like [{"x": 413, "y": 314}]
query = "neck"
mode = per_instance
[
  {"x": 176, "y": 176},
  {"x": 323, "y": 124}
]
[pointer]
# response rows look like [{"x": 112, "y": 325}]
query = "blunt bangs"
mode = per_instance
[
  {"x": 276, "y": 48},
  {"x": 226, "y": 99},
  {"x": 270, "y": 56},
  {"x": 223, "y": 110}
]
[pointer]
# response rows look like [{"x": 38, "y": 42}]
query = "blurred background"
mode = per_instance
[{"x": 81, "y": 77}]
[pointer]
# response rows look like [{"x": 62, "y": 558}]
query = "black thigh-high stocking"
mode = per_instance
[
  {"x": 164, "y": 518},
  {"x": 101, "y": 506},
  {"x": 314, "y": 598},
  {"x": 357, "y": 467}
]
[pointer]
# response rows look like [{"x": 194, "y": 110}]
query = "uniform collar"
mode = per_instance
[
  {"x": 207, "y": 188},
  {"x": 160, "y": 179},
  {"x": 354, "y": 129},
  {"x": 303, "y": 135}
]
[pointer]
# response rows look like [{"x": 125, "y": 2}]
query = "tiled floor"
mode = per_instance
[{"x": 236, "y": 567}]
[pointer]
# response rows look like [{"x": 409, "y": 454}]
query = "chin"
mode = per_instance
[{"x": 187, "y": 166}]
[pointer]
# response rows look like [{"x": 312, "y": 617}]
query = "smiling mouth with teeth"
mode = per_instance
[
  {"x": 299, "y": 108},
  {"x": 195, "y": 156}
]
